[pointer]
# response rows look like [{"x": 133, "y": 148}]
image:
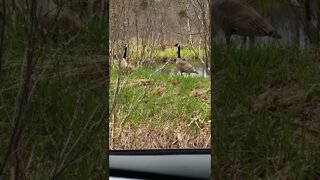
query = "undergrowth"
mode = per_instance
[
  {"x": 267, "y": 106},
  {"x": 67, "y": 106},
  {"x": 156, "y": 110}
]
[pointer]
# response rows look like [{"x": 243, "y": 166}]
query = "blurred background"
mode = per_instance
[
  {"x": 53, "y": 105},
  {"x": 266, "y": 97}
]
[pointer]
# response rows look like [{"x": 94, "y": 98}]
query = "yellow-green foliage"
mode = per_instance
[{"x": 166, "y": 97}]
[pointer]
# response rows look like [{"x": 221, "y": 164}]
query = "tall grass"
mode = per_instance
[
  {"x": 267, "y": 109},
  {"x": 66, "y": 107},
  {"x": 156, "y": 51},
  {"x": 156, "y": 110},
  {"x": 168, "y": 53}
]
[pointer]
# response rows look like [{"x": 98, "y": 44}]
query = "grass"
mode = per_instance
[
  {"x": 267, "y": 109},
  {"x": 170, "y": 53},
  {"x": 67, "y": 104},
  {"x": 158, "y": 53},
  {"x": 156, "y": 110}
]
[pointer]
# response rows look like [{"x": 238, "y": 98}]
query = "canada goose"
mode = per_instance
[
  {"x": 235, "y": 17},
  {"x": 125, "y": 67},
  {"x": 182, "y": 65},
  {"x": 123, "y": 63}
]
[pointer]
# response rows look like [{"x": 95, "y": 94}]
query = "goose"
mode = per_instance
[
  {"x": 182, "y": 65},
  {"x": 125, "y": 67},
  {"x": 123, "y": 63},
  {"x": 235, "y": 17}
]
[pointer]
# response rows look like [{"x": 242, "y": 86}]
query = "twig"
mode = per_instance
[
  {"x": 90, "y": 135},
  {"x": 163, "y": 66},
  {"x": 130, "y": 112},
  {"x": 201, "y": 60},
  {"x": 62, "y": 152},
  {"x": 23, "y": 95},
  {"x": 187, "y": 33}
]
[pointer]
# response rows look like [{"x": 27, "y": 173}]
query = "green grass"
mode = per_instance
[
  {"x": 168, "y": 53},
  {"x": 163, "y": 101},
  {"x": 172, "y": 52},
  {"x": 268, "y": 137}
]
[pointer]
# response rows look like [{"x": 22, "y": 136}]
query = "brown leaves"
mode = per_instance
[
  {"x": 201, "y": 93},
  {"x": 290, "y": 96},
  {"x": 140, "y": 82}
]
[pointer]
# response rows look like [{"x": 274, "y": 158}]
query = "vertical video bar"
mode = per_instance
[{"x": 266, "y": 89}]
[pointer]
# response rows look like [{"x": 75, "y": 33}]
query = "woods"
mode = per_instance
[{"x": 164, "y": 101}]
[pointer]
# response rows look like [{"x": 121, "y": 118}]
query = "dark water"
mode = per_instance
[
  {"x": 174, "y": 72},
  {"x": 171, "y": 69}
]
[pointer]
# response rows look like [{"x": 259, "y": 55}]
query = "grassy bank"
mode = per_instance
[
  {"x": 267, "y": 118},
  {"x": 155, "y": 110}
]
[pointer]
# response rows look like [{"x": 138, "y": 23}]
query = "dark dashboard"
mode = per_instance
[{"x": 160, "y": 164}]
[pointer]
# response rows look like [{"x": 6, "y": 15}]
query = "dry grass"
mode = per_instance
[{"x": 165, "y": 136}]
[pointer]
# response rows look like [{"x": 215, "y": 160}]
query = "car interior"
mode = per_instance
[{"x": 187, "y": 164}]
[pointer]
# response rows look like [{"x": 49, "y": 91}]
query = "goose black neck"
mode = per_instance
[
  {"x": 179, "y": 56},
  {"x": 125, "y": 52}
]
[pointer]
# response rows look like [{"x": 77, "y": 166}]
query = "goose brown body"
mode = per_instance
[
  {"x": 235, "y": 17},
  {"x": 125, "y": 66},
  {"x": 182, "y": 65},
  {"x": 123, "y": 62}
]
